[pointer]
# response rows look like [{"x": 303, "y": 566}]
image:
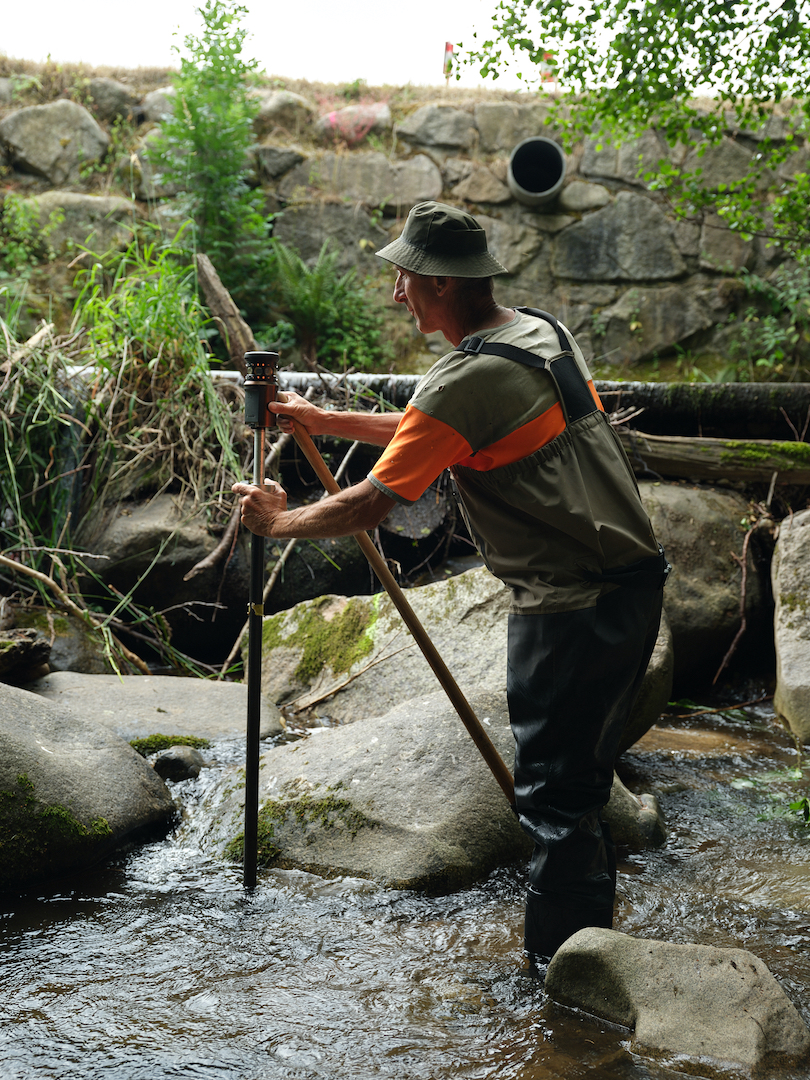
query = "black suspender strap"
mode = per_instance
[{"x": 575, "y": 395}]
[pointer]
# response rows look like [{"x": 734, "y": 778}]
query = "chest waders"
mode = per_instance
[{"x": 572, "y": 677}]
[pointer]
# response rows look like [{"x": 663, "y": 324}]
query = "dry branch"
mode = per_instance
[{"x": 237, "y": 334}]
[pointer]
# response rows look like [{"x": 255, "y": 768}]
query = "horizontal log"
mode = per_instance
[{"x": 714, "y": 459}]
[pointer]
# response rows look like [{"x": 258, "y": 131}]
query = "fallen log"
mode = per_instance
[
  {"x": 714, "y": 459},
  {"x": 236, "y": 333}
]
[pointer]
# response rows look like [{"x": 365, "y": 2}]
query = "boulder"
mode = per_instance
[
  {"x": 353, "y": 234},
  {"x": 273, "y": 161},
  {"x": 100, "y": 222},
  {"x": 56, "y": 141},
  {"x": 366, "y": 177},
  {"x": 579, "y": 197},
  {"x": 625, "y": 161},
  {"x": 137, "y": 706},
  {"x": 503, "y": 124},
  {"x": 723, "y": 163},
  {"x": 112, "y": 100},
  {"x": 695, "y": 1001},
  {"x": 158, "y": 104},
  {"x": 514, "y": 244},
  {"x": 141, "y": 171},
  {"x": 178, "y": 763},
  {"x": 339, "y": 654},
  {"x": 23, "y": 654},
  {"x": 635, "y": 821},
  {"x": 282, "y": 110},
  {"x": 481, "y": 186},
  {"x": 648, "y": 320},
  {"x": 439, "y": 127},
  {"x": 722, "y": 249},
  {"x": 6, "y": 91},
  {"x": 355, "y": 122},
  {"x": 404, "y": 799},
  {"x": 701, "y": 530},
  {"x": 791, "y": 589},
  {"x": 630, "y": 239},
  {"x": 73, "y": 646},
  {"x": 72, "y": 791}
]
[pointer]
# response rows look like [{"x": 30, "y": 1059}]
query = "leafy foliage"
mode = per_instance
[
  {"x": 627, "y": 65},
  {"x": 774, "y": 334},
  {"x": 204, "y": 150},
  {"x": 336, "y": 320}
]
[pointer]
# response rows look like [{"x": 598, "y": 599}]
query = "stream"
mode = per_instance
[{"x": 160, "y": 965}]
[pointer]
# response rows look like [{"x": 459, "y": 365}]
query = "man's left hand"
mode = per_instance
[{"x": 261, "y": 505}]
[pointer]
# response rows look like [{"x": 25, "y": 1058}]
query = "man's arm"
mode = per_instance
[
  {"x": 355, "y": 509},
  {"x": 375, "y": 428}
]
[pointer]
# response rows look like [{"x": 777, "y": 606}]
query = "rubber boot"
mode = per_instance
[{"x": 548, "y": 925}]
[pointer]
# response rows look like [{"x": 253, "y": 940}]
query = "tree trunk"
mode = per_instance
[
  {"x": 235, "y": 332},
  {"x": 713, "y": 459}
]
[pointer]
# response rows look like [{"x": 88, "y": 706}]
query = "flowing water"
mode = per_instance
[{"x": 161, "y": 966}]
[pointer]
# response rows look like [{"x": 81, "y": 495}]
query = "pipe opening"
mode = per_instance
[{"x": 536, "y": 170}]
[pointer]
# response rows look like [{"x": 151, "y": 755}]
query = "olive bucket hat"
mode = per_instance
[{"x": 442, "y": 241}]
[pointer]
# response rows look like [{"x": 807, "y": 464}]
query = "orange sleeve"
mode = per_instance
[{"x": 422, "y": 447}]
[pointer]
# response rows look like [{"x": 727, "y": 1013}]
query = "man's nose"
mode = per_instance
[{"x": 399, "y": 292}]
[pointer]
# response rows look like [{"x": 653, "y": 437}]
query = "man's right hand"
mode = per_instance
[{"x": 290, "y": 406}]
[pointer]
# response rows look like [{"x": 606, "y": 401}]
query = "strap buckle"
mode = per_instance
[{"x": 472, "y": 345}]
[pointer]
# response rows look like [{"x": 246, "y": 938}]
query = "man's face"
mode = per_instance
[{"x": 423, "y": 299}]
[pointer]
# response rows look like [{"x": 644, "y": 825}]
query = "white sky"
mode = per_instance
[{"x": 319, "y": 40}]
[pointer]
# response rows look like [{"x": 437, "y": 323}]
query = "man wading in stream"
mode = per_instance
[{"x": 551, "y": 502}]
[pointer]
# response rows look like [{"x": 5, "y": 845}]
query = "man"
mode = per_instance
[{"x": 549, "y": 497}]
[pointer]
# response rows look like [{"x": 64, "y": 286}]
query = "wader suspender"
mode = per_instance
[
  {"x": 577, "y": 401},
  {"x": 575, "y": 396}
]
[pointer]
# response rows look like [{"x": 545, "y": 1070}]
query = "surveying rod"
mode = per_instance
[{"x": 260, "y": 389}]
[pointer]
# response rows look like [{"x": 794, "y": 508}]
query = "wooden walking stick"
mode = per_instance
[{"x": 431, "y": 654}]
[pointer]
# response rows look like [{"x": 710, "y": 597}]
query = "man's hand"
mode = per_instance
[
  {"x": 290, "y": 406},
  {"x": 261, "y": 506}
]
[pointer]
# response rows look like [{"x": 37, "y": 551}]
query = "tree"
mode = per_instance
[{"x": 693, "y": 71}]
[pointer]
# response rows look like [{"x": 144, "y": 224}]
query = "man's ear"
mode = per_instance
[{"x": 442, "y": 285}]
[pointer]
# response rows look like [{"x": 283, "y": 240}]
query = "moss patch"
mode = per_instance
[
  {"x": 785, "y": 455},
  {"x": 32, "y": 832},
  {"x": 153, "y": 743},
  {"x": 338, "y": 642},
  {"x": 323, "y": 811}
]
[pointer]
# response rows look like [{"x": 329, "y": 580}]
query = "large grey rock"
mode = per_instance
[
  {"x": 579, "y": 197},
  {"x": 701, "y": 532},
  {"x": 503, "y": 124},
  {"x": 73, "y": 647},
  {"x": 649, "y": 320},
  {"x": 56, "y": 140},
  {"x": 100, "y": 222},
  {"x": 340, "y": 654},
  {"x": 137, "y": 706},
  {"x": 143, "y": 171},
  {"x": 404, "y": 798},
  {"x": 723, "y": 249},
  {"x": 72, "y": 790},
  {"x": 273, "y": 161},
  {"x": 282, "y": 110},
  {"x": 724, "y": 163},
  {"x": 791, "y": 589},
  {"x": 514, "y": 244},
  {"x": 628, "y": 240},
  {"x": 482, "y": 186},
  {"x": 350, "y": 230},
  {"x": 627, "y": 161},
  {"x": 158, "y": 104},
  {"x": 367, "y": 177},
  {"x": 636, "y": 821},
  {"x": 692, "y": 1000},
  {"x": 439, "y": 127},
  {"x": 112, "y": 100}
]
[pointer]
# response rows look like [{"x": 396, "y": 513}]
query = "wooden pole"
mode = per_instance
[{"x": 420, "y": 635}]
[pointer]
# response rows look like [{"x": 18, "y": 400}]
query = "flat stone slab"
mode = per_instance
[{"x": 136, "y": 706}]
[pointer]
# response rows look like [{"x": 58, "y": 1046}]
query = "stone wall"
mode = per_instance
[{"x": 606, "y": 255}]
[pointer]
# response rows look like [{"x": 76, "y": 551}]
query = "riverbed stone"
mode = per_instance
[
  {"x": 72, "y": 790},
  {"x": 367, "y": 177},
  {"x": 137, "y": 706},
  {"x": 100, "y": 222},
  {"x": 698, "y": 1001},
  {"x": 630, "y": 239},
  {"x": 337, "y": 654},
  {"x": 790, "y": 572},
  {"x": 636, "y": 821},
  {"x": 178, "y": 763},
  {"x": 56, "y": 141},
  {"x": 701, "y": 531},
  {"x": 73, "y": 646}
]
